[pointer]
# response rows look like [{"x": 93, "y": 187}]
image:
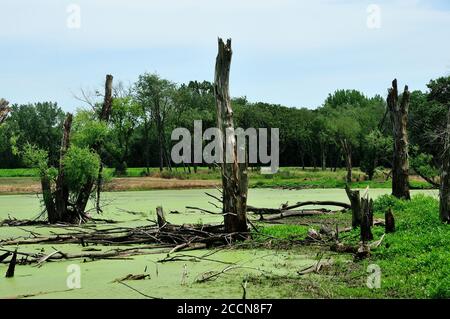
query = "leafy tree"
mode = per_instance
[
  {"x": 377, "y": 151},
  {"x": 37, "y": 124},
  {"x": 155, "y": 96},
  {"x": 124, "y": 119}
]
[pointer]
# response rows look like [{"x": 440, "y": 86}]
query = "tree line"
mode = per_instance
[{"x": 349, "y": 129}]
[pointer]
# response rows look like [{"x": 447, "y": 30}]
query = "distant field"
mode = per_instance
[{"x": 25, "y": 180}]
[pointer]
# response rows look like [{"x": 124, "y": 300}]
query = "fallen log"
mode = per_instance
[
  {"x": 319, "y": 203},
  {"x": 316, "y": 268},
  {"x": 295, "y": 213},
  {"x": 264, "y": 210}
]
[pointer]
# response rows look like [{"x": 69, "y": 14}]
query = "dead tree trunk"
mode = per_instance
[
  {"x": 355, "y": 201},
  {"x": 367, "y": 219},
  {"x": 161, "y": 219},
  {"x": 444, "y": 189},
  {"x": 48, "y": 199},
  {"x": 234, "y": 174},
  {"x": 86, "y": 190},
  {"x": 4, "y": 110},
  {"x": 12, "y": 265},
  {"x": 398, "y": 109},
  {"x": 389, "y": 222},
  {"x": 61, "y": 196}
]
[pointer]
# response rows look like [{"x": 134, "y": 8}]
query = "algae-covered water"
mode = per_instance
[{"x": 174, "y": 279}]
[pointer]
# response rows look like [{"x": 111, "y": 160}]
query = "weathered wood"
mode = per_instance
[
  {"x": 160, "y": 217},
  {"x": 4, "y": 110},
  {"x": 319, "y": 203},
  {"x": 444, "y": 187},
  {"x": 47, "y": 196},
  {"x": 398, "y": 110},
  {"x": 389, "y": 222},
  {"x": 294, "y": 213},
  {"x": 234, "y": 174},
  {"x": 107, "y": 102},
  {"x": 61, "y": 195},
  {"x": 264, "y": 210},
  {"x": 355, "y": 201},
  {"x": 367, "y": 219}
]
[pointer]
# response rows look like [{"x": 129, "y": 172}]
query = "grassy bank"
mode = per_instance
[
  {"x": 414, "y": 261},
  {"x": 286, "y": 177}
]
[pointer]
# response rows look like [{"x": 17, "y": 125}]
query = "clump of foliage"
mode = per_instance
[
  {"x": 81, "y": 165},
  {"x": 415, "y": 260}
]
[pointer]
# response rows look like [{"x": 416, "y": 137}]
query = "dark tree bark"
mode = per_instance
[
  {"x": 234, "y": 174},
  {"x": 160, "y": 217},
  {"x": 389, "y": 222},
  {"x": 398, "y": 109},
  {"x": 12, "y": 265},
  {"x": 62, "y": 191},
  {"x": 107, "y": 102},
  {"x": 444, "y": 189},
  {"x": 104, "y": 116},
  {"x": 4, "y": 110},
  {"x": 367, "y": 219},
  {"x": 48, "y": 199},
  {"x": 355, "y": 201}
]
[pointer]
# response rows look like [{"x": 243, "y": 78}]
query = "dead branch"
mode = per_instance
[
  {"x": 139, "y": 292},
  {"x": 295, "y": 213}
]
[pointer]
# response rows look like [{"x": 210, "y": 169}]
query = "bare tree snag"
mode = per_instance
[
  {"x": 444, "y": 188},
  {"x": 234, "y": 174},
  {"x": 104, "y": 116},
  {"x": 366, "y": 220},
  {"x": 12, "y": 265},
  {"x": 160, "y": 217},
  {"x": 398, "y": 110},
  {"x": 61, "y": 196},
  {"x": 4, "y": 110},
  {"x": 47, "y": 195},
  {"x": 355, "y": 201},
  {"x": 107, "y": 102},
  {"x": 389, "y": 223}
]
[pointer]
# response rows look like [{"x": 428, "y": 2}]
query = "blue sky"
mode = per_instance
[{"x": 285, "y": 51}]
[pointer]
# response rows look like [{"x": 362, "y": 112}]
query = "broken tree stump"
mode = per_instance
[
  {"x": 444, "y": 185},
  {"x": 234, "y": 173},
  {"x": 367, "y": 219},
  {"x": 160, "y": 217},
  {"x": 12, "y": 265},
  {"x": 355, "y": 201},
  {"x": 389, "y": 224},
  {"x": 398, "y": 110}
]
